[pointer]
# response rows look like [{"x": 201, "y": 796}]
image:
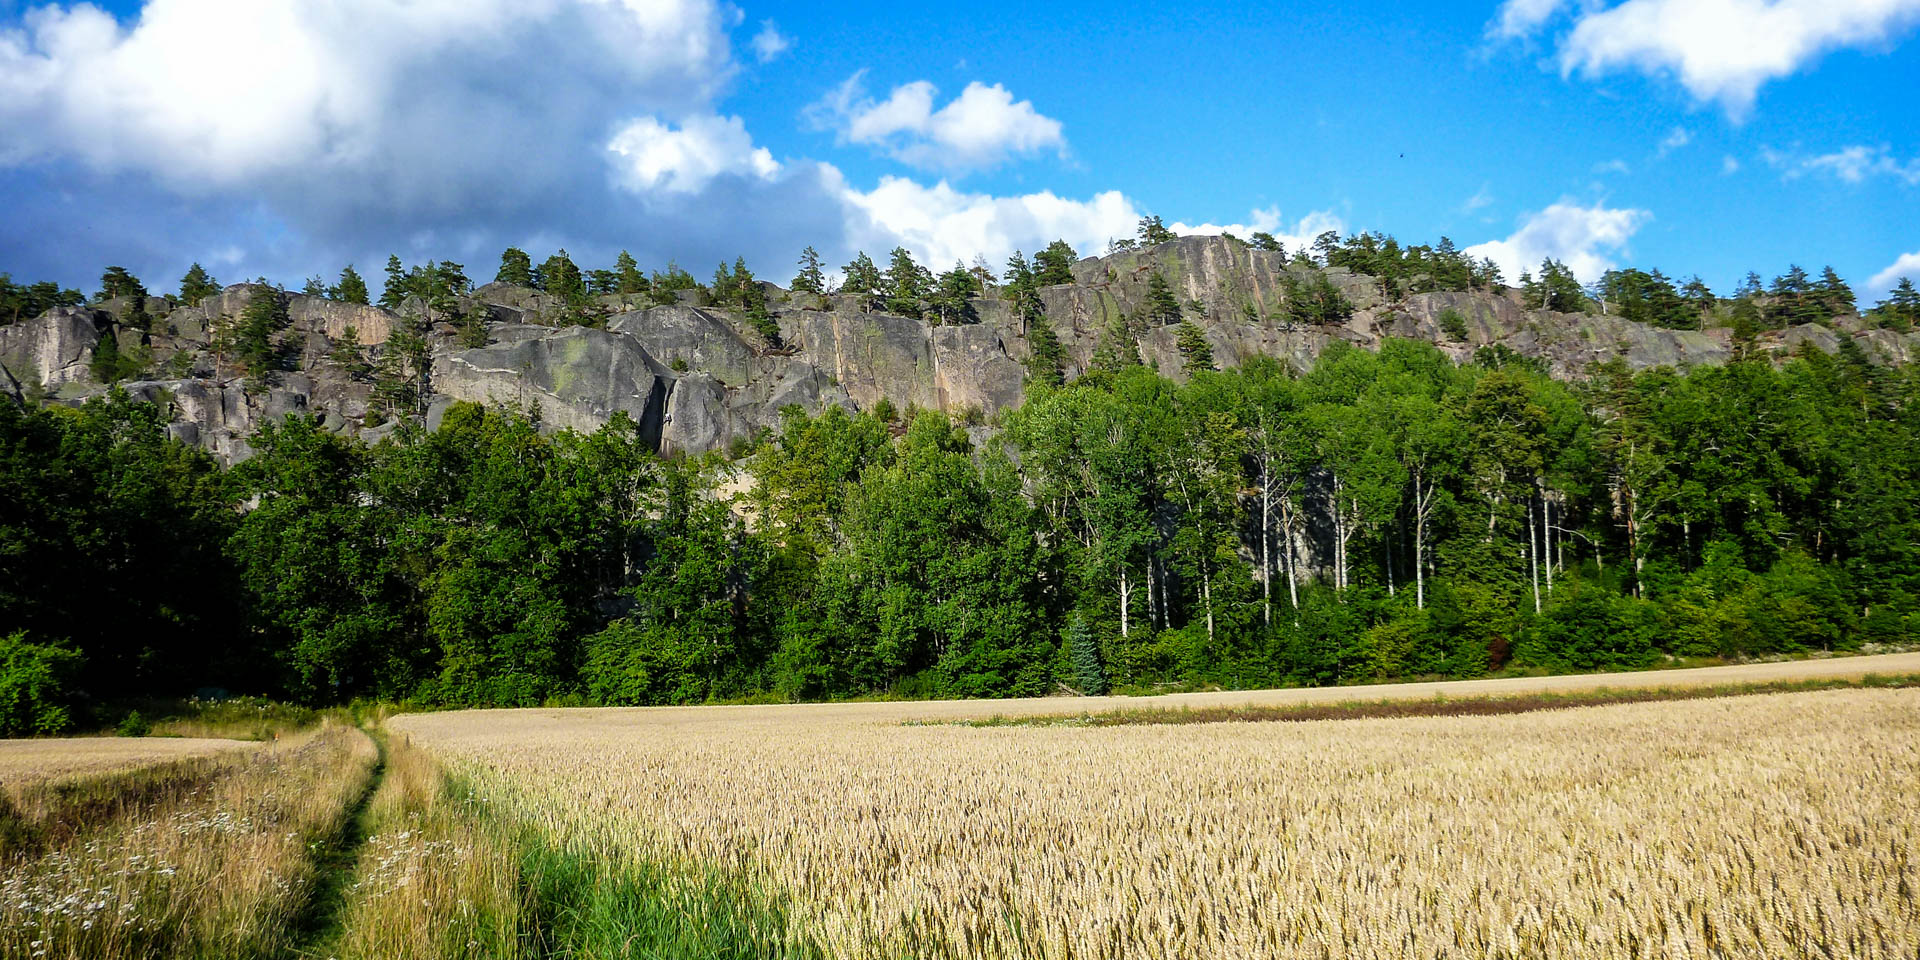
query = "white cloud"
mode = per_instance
[
  {"x": 1520, "y": 18},
  {"x": 1729, "y": 165},
  {"x": 1854, "y": 164},
  {"x": 1300, "y": 234},
  {"x": 1613, "y": 166},
  {"x": 982, "y": 127},
  {"x": 770, "y": 43},
  {"x": 1479, "y": 201},
  {"x": 210, "y": 91},
  {"x": 1580, "y": 237},
  {"x": 651, "y": 156},
  {"x": 1906, "y": 265},
  {"x": 1677, "y": 138},
  {"x": 1721, "y": 51},
  {"x": 941, "y": 225}
]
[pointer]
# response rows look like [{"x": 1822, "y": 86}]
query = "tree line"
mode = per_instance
[{"x": 1382, "y": 515}]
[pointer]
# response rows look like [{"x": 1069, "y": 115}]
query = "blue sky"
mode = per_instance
[{"x": 286, "y": 137}]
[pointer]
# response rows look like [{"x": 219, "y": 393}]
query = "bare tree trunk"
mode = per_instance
[
  {"x": 1266, "y": 547},
  {"x": 1393, "y": 530},
  {"x": 1419, "y": 561},
  {"x": 1533, "y": 557},
  {"x": 1126, "y": 592},
  {"x": 1206, "y": 590}
]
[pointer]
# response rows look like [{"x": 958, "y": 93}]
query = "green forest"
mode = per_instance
[{"x": 1383, "y": 515}]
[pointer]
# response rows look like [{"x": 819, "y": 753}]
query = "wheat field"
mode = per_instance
[
  {"x": 28, "y": 761},
  {"x": 1777, "y": 825}
]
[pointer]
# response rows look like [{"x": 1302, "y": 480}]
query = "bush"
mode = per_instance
[
  {"x": 134, "y": 725},
  {"x": 1453, "y": 324},
  {"x": 33, "y": 686},
  {"x": 1591, "y": 628}
]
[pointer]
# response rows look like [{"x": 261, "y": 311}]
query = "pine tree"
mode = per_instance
[
  {"x": 105, "y": 365},
  {"x": 1087, "y": 670},
  {"x": 350, "y": 289},
  {"x": 906, "y": 284},
  {"x": 561, "y": 277},
  {"x": 516, "y": 268},
  {"x": 1161, "y": 307},
  {"x": 810, "y": 279},
  {"x": 952, "y": 297},
  {"x": 1054, "y": 265},
  {"x": 1047, "y": 355},
  {"x": 398, "y": 285},
  {"x": 117, "y": 282},
  {"x": 196, "y": 286},
  {"x": 471, "y": 330},
  {"x": 1194, "y": 348},
  {"x": 315, "y": 287},
  {"x": 264, "y": 316},
  {"x": 1152, "y": 231},
  {"x": 627, "y": 277},
  {"x": 863, "y": 281}
]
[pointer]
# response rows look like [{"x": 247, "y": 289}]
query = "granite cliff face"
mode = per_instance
[{"x": 698, "y": 378}]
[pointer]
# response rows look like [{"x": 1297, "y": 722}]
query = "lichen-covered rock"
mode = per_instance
[
  {"x": 578, "y": 378},
  {"x": 696, "y": 338}
]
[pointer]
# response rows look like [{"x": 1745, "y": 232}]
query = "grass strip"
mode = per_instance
[
  {"x": 1438, "y": 706},
  {"x": 449, "y": 872}
]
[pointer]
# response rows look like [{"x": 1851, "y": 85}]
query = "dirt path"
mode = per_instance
[{"x": 334, "y": 867}]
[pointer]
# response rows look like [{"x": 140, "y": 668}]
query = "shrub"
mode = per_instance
[
  {"x": 1453, "y": 324},
  {"x": 134, "y": 725},
  {"x": 1591, "y": 628},
  {"x": 33, "y": 686}
]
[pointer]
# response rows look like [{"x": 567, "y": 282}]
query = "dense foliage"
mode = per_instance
[{"x": 1383, "y": 515}]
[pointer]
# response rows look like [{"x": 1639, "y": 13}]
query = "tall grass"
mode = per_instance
[
  {"x": 451, "y": 872},
  {"x": 207, "y": 859}
]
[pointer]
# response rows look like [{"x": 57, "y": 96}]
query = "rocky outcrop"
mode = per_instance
[
  {"x": 699, "y": 378},
  {"x": 53, "y": 349},
  {"x": 576, "y": 377}
]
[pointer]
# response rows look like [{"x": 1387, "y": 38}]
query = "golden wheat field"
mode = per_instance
[
  {"x": 23, "y": 761},
  {"x": 1754, "y": 826}
]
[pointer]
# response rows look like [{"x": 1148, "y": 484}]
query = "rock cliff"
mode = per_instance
[{"x": 697, "y": 378}]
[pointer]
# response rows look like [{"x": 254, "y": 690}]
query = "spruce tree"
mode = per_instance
[
  {"x": 1161, "y": 306},
  {"x": 1087, "y": 670},
  {"x": 196, "y": 286},
  {"x": 1194, "y": 348},
  {"x": 398, "y": 285},
  {"x": 350, "y": 289}
]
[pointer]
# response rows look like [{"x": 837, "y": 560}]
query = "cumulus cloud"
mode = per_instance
[
  {"x": 1299, "y": 234},
  {"x": 650, "y": 155},
  {"x": 770, "y": 43},
  {"x": 982, "y": 127},
  {"x": 1721, "y": 51},
  {"x": 1676, "y": 138},
  {"x": 1583, "y": 238},
  {"x": 941, "y": 224},
  {"x": 1854, "y": 164},
  {"x": 1906, "y": 265}
]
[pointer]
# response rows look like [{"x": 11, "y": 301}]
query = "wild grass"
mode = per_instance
[
  {"x": 1776, "y": 825},
  {"x": 212, "y": 858},
  {"x": 237, "y": 718},
  {"x": 450, "y": 872}
]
